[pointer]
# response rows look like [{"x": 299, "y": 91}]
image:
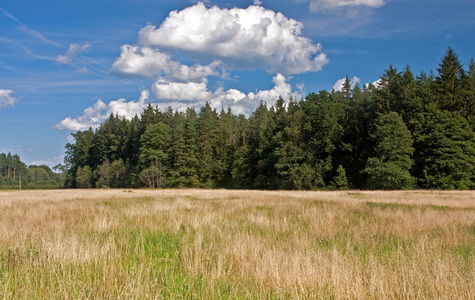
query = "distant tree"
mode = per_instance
[
  {"x": 340, "y": 181},
  {"x": 389, "y": 168},
  {"x": 117, "y": 170},
  {"x": 105, "y": 174},
  {"x": 207, "y": 126},
  {"x": 84, "y": 177},
  {"x": 78, "y": 155},
  {"x": 322, "y": 132},
  {"x": 177, "y": 151},
  {"x": 191, "y": 163},
  {"x": 154, "y": 152},
  {"x": 150, "y": 176}
]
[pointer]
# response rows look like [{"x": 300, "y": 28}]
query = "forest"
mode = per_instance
[
  {"x": 404, "y": 132},
  {"x": 15, "y": 174}
]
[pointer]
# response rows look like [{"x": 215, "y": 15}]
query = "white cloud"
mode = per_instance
[
  {"x": 249, "y": 38},
  {"x": 180, "y": 96},
  {"x": 338, "y": 86},
  {"x": 50, "y": 162},
  {"x": 83, "y": 70},
  {"x": 6, "y": 99},
  {"x": 377, "y": 84},
  {"x": 257, "y": 2},
  {"x": 334, "y": 5},
  {"x": 27, "y": 30},
  {"x": 73, "y": 51},
  {"x": 183, "y": 95},
  {"x": 93, "y": 116},
  {"x": 147, "y": 62}
]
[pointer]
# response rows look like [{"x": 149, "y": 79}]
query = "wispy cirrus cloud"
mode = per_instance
[
  {"x": 331, "y": 6},
  {"x": 27, "y": 30},
  {"x": 73, "y": 51}
]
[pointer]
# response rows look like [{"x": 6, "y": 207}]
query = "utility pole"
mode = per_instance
[{"x": 19, "y": 181}]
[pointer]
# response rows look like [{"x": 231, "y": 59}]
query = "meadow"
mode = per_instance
[{"x": 220, "y": 244}]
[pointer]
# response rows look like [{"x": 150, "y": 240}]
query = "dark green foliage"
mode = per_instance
[
  {"x": 445, "y": 148},
  {"x": 389, "y": 168},
  {"x": 449, "y": 82},
  {"x": 358, "y": 138}
]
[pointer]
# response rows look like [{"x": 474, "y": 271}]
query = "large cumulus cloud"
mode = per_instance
[
  {"x": 254, "y": 37},
  {"x": 200, "y": 42}
]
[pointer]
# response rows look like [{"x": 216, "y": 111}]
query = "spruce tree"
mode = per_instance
[{"x": 449, "y": 82}]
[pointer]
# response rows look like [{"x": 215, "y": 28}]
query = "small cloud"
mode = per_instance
[
  {"x": 257, "y": 2},
  {"x": 330, "y": 6},
  {"x": 73, "y": 51},
  {"x": 338, "y": 86},
  {"x": 83, "y": 70},
  {"x": 18, "y": 149},
  {"x": 50, "y": 162},
  {"x": 6, "y": 99}
]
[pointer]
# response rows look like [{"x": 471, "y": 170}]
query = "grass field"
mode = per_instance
[{"x": 217, "y": 244}]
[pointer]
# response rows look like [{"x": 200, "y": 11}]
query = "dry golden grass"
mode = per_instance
[{"x": 147, "y": 244}]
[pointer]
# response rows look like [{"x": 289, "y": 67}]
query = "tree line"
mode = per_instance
[
  {"x": 404, "y": 132},
  {"x": 15, "y": 174}
]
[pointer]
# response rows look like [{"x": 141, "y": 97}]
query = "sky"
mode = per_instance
[{"x": 67, "y": 65}]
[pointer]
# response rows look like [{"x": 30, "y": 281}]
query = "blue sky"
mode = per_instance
[{"x": 66, "y": 65}]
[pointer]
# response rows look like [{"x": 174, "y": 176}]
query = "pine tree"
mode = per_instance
[
  {"x": 177, "y": 151},
  {"x": 190, "y": 171},
  {"x": 207, "y": 125},
  {"x": 388, "y": 93}
]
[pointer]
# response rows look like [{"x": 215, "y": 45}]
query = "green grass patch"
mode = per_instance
[{"x": 390, "y": 206}]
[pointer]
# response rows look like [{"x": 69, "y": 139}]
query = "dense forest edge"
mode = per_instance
[
  {"x": 15, "y": 174},
  {"x": 403, "y": 132}
]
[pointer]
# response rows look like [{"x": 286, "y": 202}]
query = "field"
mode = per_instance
[{"x": 217, "y": 244}]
